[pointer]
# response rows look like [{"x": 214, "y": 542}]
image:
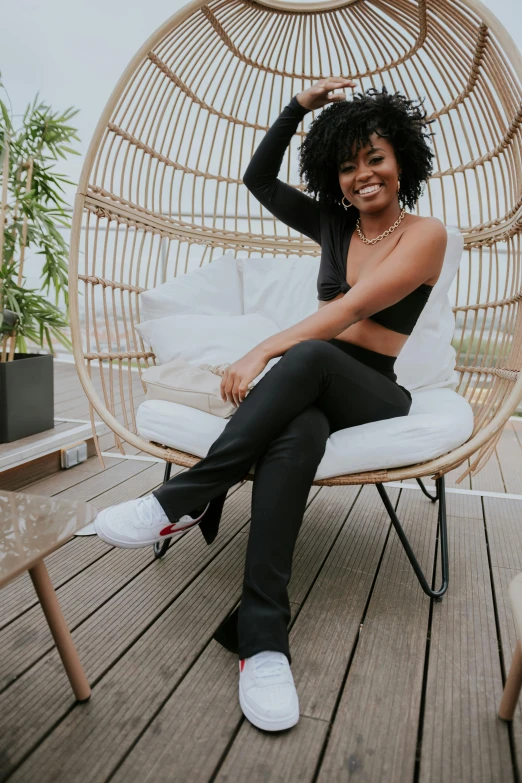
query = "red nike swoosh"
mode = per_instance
[{"x": 168, "y": 530}]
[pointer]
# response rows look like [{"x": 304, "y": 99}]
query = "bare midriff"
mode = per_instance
[
  {"x": 371, "y": 335},
  {"x": 367, "y": 333}
]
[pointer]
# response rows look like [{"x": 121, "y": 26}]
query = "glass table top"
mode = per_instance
[{"x": 33, "y": 526}]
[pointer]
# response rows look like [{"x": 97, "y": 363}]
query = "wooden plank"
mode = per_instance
[
  {"x": 72, "y": 401},
  {"x": 32, "y": 628},
  {"x": 140, "y": 483},
  {"x": 18, "y": 476},
  {"x": 504, "y": 529},
  {"x": 508, "y": 641},
  {"x": 375, "y": 728},
  {"x": 328, "y": 626},
  {"x": 8, "y": 451},
  {"x": 465, "y": 506},
  {"x": 155, "y": 688},
  {"x": 509, "y": 454},
  {"x": 450, "y": 479},
  {"x": 318, "y": 638},
  {"x": 19, "y": 596},
  {"x": 67, "y": 388},
  {"x": 107, "y": 443},
  {"x": 279, "y": 765},
  {"x": 154, "y": 662},
  {"x": 323, "y": 637},
  {"x": 516, "y": 423},
  {"x": 75, "y": 408},
  {"x": 93, "y": 486},
  {"x": 489, "y": 478},
  {"x": 279, "y": 757},
  {"x": 29, "y": 638},
  {"x": 209, "y": 701},
  {"x": 65, "y": 479},
  {"x": 37, "y": 445},
  {"x": 107, "y": 639},
  {"x": 462, "y": 737}
]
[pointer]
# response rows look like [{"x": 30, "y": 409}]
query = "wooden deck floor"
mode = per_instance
[{"x": 391, "y": 686}]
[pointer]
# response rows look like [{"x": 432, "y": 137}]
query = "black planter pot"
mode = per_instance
[{"x": 26, "y": 396}]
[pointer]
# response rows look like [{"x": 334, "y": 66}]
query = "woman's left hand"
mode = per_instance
[{"x": 237, "y": 377}]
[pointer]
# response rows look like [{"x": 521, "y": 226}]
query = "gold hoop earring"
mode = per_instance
[
  {"x": 345, "y": 205},
  {"x": 398, "y": 185}
]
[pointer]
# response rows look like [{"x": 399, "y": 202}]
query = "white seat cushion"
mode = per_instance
[{"x": 439, "y": 421}]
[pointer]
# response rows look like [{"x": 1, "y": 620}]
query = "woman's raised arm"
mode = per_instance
[
  {"x": 285, "y": 202},
  {"x": 288, "y": 204}
]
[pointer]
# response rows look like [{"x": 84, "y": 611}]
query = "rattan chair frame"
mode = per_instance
[{"x": 179, "y": 122}]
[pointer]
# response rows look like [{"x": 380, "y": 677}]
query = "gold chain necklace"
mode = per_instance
[{"x": 381, "y": 236}]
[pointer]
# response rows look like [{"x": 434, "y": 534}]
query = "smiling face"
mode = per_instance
[{"x": 376, "y": 170}]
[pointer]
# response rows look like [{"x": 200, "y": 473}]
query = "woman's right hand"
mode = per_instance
[{"x": 317, "y": 96}]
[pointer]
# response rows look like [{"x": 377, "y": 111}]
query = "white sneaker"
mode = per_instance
[
  {"x": 141, "y": 522},
  {"x": 267, "y": 693}
]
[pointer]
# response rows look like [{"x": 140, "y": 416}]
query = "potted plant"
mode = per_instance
[{"x": 31, "y": 211}]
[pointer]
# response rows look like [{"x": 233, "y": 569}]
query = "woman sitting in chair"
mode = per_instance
[{"x": 364, "y": 161}]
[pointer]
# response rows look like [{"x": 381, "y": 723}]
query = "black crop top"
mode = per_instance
[{"x": 330, "y": 226}]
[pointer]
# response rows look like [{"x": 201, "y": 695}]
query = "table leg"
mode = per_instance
[
  {"x": 61, "y": 634},
  {"x": 512, "y": 687}
]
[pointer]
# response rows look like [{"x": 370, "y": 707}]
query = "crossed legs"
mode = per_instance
[{"x": 282, "y": 426}]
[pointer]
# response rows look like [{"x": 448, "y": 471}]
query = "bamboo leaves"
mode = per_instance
[{"x": 31, "y": 213}]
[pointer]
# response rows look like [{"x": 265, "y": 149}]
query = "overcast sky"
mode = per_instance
[{"x": 74, "y": 53}]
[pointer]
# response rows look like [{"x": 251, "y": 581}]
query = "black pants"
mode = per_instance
[{"x": 316, "y": 388}]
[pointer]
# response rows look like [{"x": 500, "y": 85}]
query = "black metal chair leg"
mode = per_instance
[
  {"x": 443, "y": 531},
  {"x": 428, "y": 494},
  {"x": 161, "y": 547},
  {"x": 168, "y": 468}
]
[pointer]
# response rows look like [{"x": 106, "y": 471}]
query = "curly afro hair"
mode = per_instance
[{"x": 340, "y": 125}]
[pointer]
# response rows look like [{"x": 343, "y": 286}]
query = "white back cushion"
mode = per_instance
[
  {"x": 285, "y": 289},
  {"x": 213, "y": 289},
  {"x": 427, "y": 360},
  {"x": 205, "y": 339}
]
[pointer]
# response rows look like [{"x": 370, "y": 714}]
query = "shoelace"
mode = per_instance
[
  {"x": 262, "y": 670},
  {"x": 145, "y": 512}
]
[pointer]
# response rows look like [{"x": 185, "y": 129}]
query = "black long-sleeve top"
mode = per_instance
[{"x": 330, "y": 226}]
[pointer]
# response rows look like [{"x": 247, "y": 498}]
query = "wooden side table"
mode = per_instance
[
  {"x": 514, "y": 681},
  {"x": 31, "y": 527}
]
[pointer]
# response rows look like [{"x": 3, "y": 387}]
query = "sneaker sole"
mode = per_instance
[
  {"x": 138, "y": 544},
  {"x": 264, "y": 723}
]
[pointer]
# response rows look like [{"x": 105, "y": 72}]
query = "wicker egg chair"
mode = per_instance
[{"x": 161, "y": 190}]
